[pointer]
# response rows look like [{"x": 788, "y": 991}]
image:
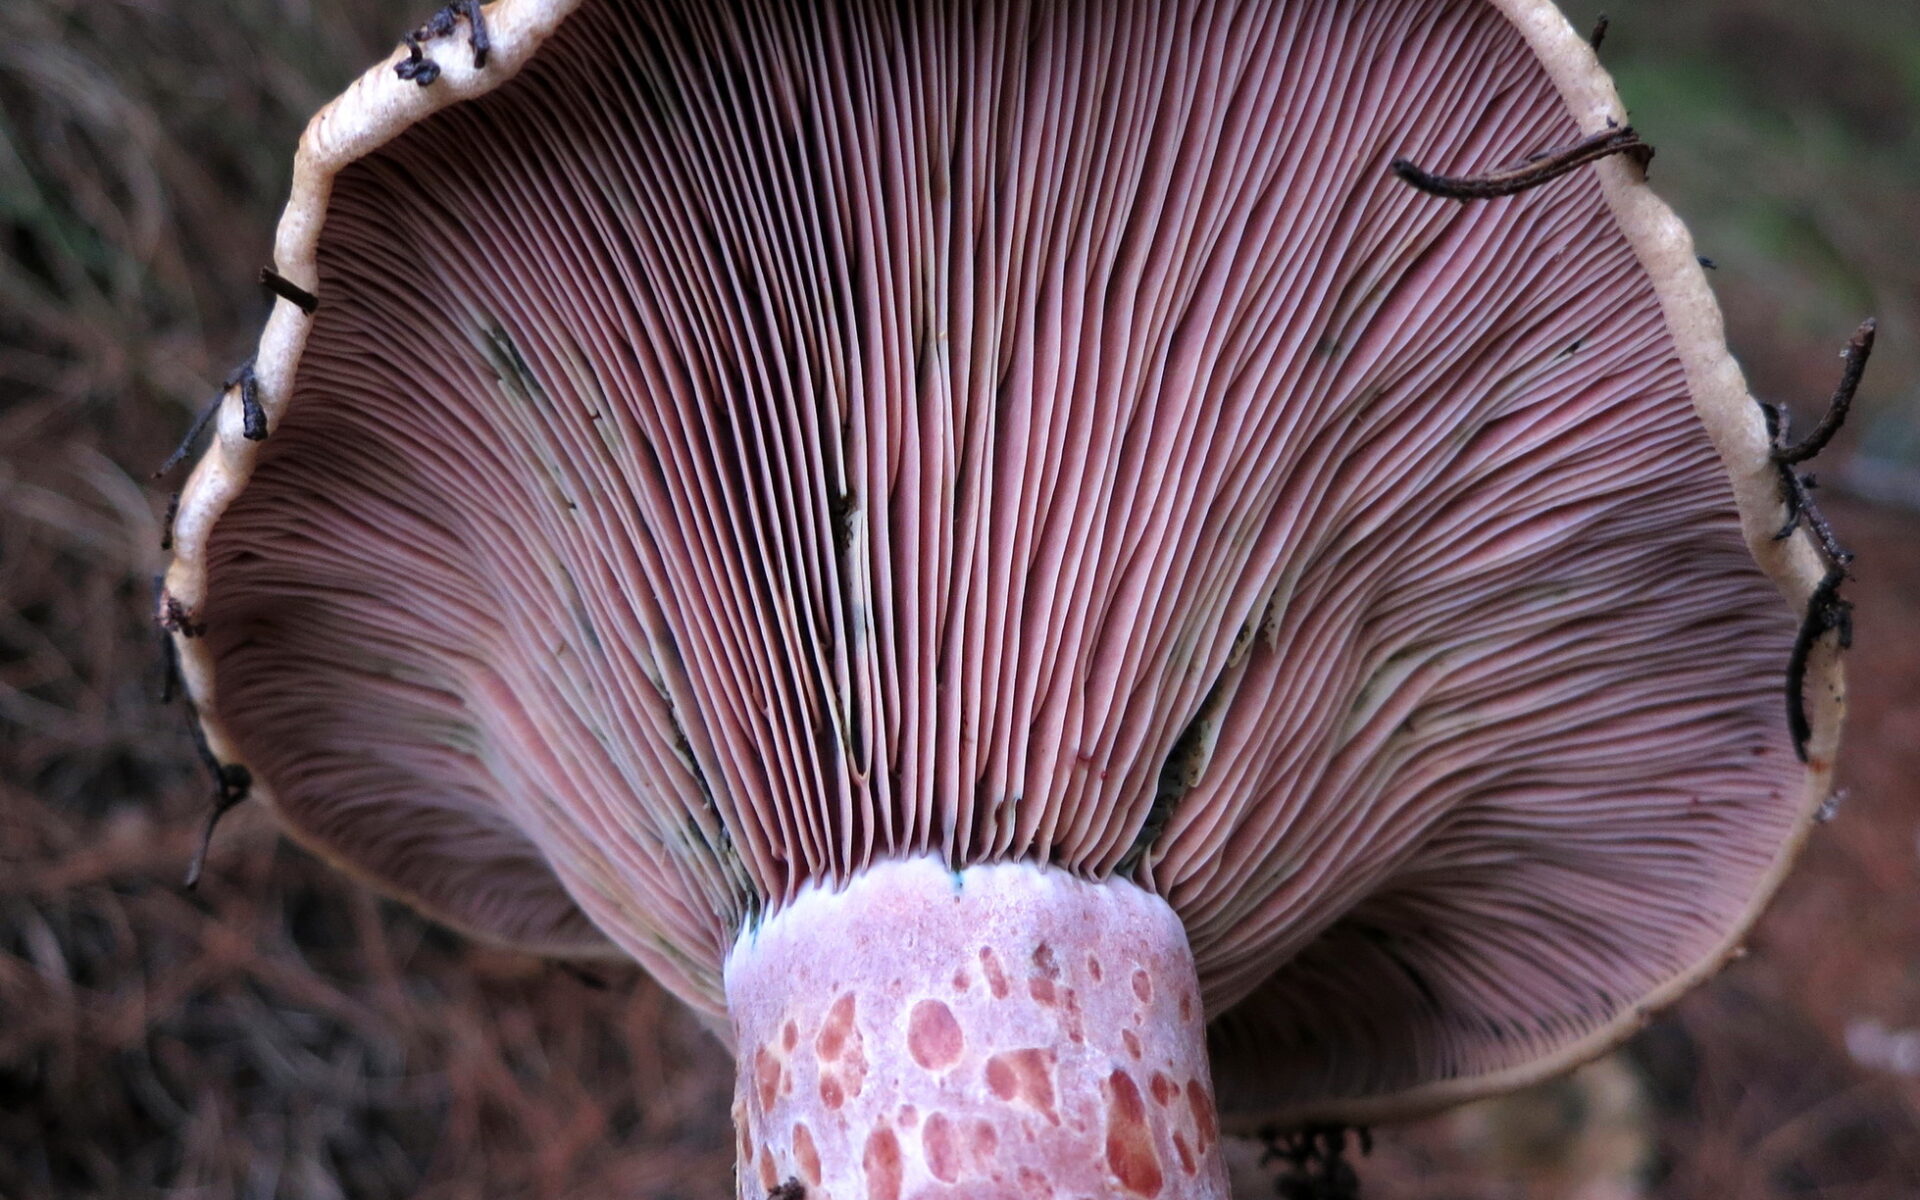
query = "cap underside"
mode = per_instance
[{"x": 751, "y": 442}]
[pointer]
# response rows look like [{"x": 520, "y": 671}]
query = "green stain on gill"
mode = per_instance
[
  {"x": 577, "y": 605},
  {"x": 1242, "y": 643},
  {"x": 509, "y": 365},
  {"x": 1273, "y": 615},
  {"x": 756, "y": 912},
  {"x": 1186, "y": 762},
  {"x": 1388, "y": 944},
  {"x": 683, "y": 750},
  {"x": 460, "y": 738},
  {"x": 1391, "y": 671},
  {"x": 518, "y": 382},
  {"x": 841, "y": 510},
  {"x": 593, "y": 396},
  {"x": 608, "y": 431},
  {"x": 719, "y": 843},
  {"x": 693, "y": 968}
]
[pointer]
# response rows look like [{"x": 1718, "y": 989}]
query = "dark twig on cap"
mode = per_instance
[
  {"x": 1859, "y": 349},
  {"x": 166, "y": 522},
  {"x": 1542, "y": 167},
  {"x": 477, "y": 23},
  {"x": 194, "y": 430},
  {"x": 288, "y": 290},
  {"x": 1778, "y": 419},
  {"x": 1313, "y": 1162},
  {"x": 582, "y": 976},
  {"x": 169, "y": 654},
  {"x": 1599, "y": 33},
  {"x": 1826, "y": 611},
  {"x": 1796, "y": 490},
  {"x": 1800, "y": 507},
  {"x": 253, "y": 418},
  {"x": 792, "y": 1189},
  {"x": 423, "y": 70},
  {"x": 232, "y": 781},
  {"x": 169, "y": 669},
  {"x": 174, "y": 617},
  {"x": 416, "y": 65},
  {"x": 231, "y": 784}
]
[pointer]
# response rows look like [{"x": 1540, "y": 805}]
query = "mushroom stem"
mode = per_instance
[{"x": 1003, "y": 1030}]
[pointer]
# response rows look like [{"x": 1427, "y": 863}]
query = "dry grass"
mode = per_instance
[
  {"x": 283, "y": 1034},
  {"x": 278, "y": 1034}
]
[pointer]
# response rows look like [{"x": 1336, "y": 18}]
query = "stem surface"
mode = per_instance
[{"x": 1003, "y": 1031}]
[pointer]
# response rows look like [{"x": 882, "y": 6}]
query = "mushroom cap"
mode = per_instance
[{"x": 739, "y": 443}]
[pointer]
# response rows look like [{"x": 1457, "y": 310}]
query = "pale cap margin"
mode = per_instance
[{"x": 376, "y": 108}]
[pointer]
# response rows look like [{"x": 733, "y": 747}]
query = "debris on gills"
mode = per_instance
[
  {"x": 1543, "y": 167},
  {"x": 286, "y": 289},
  {"x": 253, "y": 425},
  {"x": 253, "y": 418},
  {"x": 1313, "y": 1162},
  {"x": 185, "y": 448},
  {"x": 1859, "y": 349},
  {"x": 175, "y": 617},
  {"x": 232, "y": 782},
  {"x": 1826, "y": 612},
  {"x": 423, "y": 70}
]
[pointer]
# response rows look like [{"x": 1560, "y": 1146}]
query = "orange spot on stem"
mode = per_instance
[
  {"x": 934, "y": 1037},
  {"x": 1130, "y": 1153},
  {"x": 1202, "y": 1106},
  {"x": 941, "y": 1143},
  {"x": 881, "y": 1163},
  {"x": 805, "y": 1153},
  {"x": 1024, "y": 1077}
]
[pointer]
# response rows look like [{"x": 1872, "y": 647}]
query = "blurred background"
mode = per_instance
[{"x": 282, "y": 1033}]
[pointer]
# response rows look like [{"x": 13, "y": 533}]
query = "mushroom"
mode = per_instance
[{"x": 1007, "y": 556}]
